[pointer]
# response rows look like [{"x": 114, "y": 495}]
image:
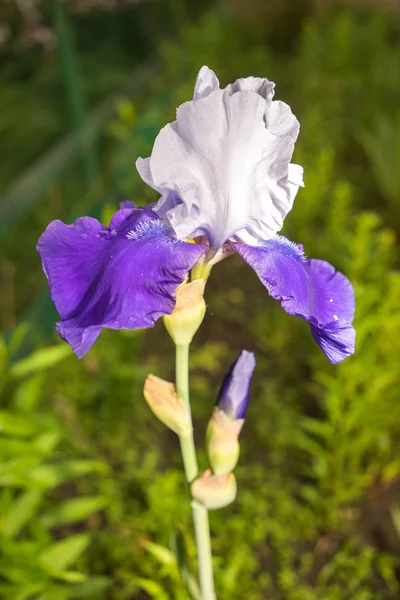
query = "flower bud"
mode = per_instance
[
  {"x": 214, "y": 491},
  {"x": 165, "y": 403},
  {"x": 234, "y": 393},
  {"x": 189, "y": 312},
  {"x": 227, "y": 420},
  {"x": 222, "y": 442}
]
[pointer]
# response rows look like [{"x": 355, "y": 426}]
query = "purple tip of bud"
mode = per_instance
[{"x": 234, "y": 393}]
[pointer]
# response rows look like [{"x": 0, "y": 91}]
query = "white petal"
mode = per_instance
[
  {"x": 280, "y": 120},
  {"x": 260, "y": 86},
  {"x": 223, "y": 167},
  {"x": 294, "y": 180},
  {"x": 143, "y": 167},
  {"x": 295, "y": 175},
  {"x": 206, "y": 82}
]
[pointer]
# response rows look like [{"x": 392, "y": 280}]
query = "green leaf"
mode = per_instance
[
  {"x": 162, "y": 554},
  {"x": 15, "y": 471},
  {"x": 59, "y": 592},
  {"x": 47, "y": 442},
  {"x": 312, "y": 496},
  {"x": 23, "y": 573},
  {"x": 23, "y": 510},
  {"x": 41, "y": 445},
  {"x": 233, "y": 568},
  {"x": 16, "y": 424},
  {"x": 321, "y": 428},
  {"x": 94, "y": 587},
  {"x": 17, "y": 338},
  {"x": 153, "y": 588},
  {"x": 11, "y": 447},
  {"x": 29, "y": 591},
  {"x": 75, "y": 510},
  {"x": 27, "y": 394},
  {"x": 42, "y": 359},
  {"x": 178, "y": 546},
  {"x": 59, "y": 556},
  {"x": 48, "y": 476},
  {"x": 70, "y": 576}
]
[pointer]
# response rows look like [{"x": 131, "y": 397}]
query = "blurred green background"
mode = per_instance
[{"x": 91, "y": 485}]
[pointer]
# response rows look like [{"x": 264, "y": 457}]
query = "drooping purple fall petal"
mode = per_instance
[
  {"x": 310, "y": 289},
  {"x": 234, "y": 393},
  {"x": 123, "y": 276}
]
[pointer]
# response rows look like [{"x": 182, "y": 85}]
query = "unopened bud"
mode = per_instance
[
  {"x": 228, "y": 417},
  {"x": 189, "y": 312},
  {"x": 165, "y": 403},
  {"x": 222, "y": 442},
  {"x": 214, "y": 491},
  {"x": 234, "y": 393}
]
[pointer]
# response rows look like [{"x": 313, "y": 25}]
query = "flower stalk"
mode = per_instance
[{"x": 188, "y": 450}]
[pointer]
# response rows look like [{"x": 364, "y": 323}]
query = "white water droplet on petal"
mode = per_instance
[
  {"x": 330, "y": 299},
  {"x": 335, "y": 317}
]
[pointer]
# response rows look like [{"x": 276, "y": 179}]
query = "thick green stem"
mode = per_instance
[
  {"x": 188, "y": 451},
  {"x": 203, "y": 543},
  {"x": 188, "y": 448},
  {"x": 200, "y": 513}
]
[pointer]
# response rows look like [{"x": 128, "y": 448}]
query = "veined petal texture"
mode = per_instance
[
  {"x": 123, "y": 276},
  {"x": 310, "y": 289},
  {"x": 223, "y": 167}
]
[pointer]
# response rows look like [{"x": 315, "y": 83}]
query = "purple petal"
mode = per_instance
[
  {"x": 120, "y": 217},
  {"x": 337, "y": 339},
  {"x": 234, "y": 393},
  {"x": 333, "y": 294},
  {"x": 126, "y": 209},
  {"x": 310, "y": 289},
  {"x": 127, "y": 204},
  {"x": 123, "y": 276}
]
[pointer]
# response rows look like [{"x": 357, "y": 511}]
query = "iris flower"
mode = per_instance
[{"x": 226, "y": 183}]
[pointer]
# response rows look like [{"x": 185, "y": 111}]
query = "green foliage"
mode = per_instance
[{"x": 33, "y": 466}]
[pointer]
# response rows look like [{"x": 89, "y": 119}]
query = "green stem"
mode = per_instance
[
  {"x": 188, "y": 450},
  {"x": 203, "y": 543}
]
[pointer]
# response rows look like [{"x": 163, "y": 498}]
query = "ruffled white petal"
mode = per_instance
[
  {"x": 143, "y": 167},
  {"x": 260, "y": 86},
  {"x": 223, "y": 167},
  {"x": 206, "y": 82}
]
